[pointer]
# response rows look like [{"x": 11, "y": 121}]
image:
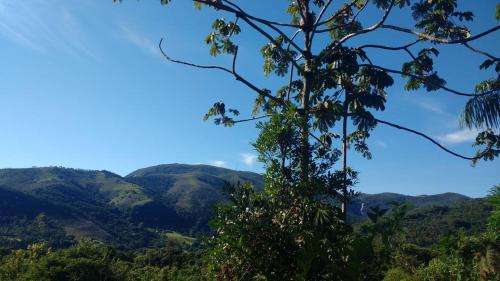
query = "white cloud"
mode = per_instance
[
  {"x": 248, "y": 158},
  {"x": 44, "y": 26},
  {"x": 430, "y": 105},
  {"x": 380, "y": 143},
  {"x": 218, "y": 163},
  {"x": 457, "y": 137},
  {"x": 139, "y": 40}
]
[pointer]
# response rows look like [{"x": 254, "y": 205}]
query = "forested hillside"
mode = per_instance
[{"x": 61, "y": 206}]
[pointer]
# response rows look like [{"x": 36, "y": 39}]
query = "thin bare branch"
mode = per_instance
[
  {"x": 261, "y": 20},
  {"x": 423, "y": 79},
  {"x": 441, "y": 40},
  {"x": 232, "y": 71},
  {"x": 267, "y": 23},
  {"x": 160, "y": 45},
  {"x": 252, "y": 119},
  {"x": 480, "y": 52},
  {"x": 248, "y": 19},
  {"x": 292, "y": 66},
  {"x": 346, "y": 24},
  {"x": 337, "y": 13},
  {"x": 428, "y": 138},
  {"x": 389, "y": 47},
  {"x": 322, "y": 12},
  {"x": 371, "y": 28},
  {"x": 405, "y": 48}
]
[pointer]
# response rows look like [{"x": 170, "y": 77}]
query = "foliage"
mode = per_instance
[
  {"x": 455, "y": 257},
  {"x": 290, "y": 230},
  {"x": 89, "y": 261},
  {"x": 494, "y": 219}
]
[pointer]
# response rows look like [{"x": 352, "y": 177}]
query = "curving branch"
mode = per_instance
[
  {"x": 261, "y": 20},
  {"x": 160, "y": 46},
  {"x": 322, "y": 12},
  {"x": 318, "y": 19},
  {"x": 232, "y": 71},
  {"x": 423, "y": 79},
  {"x": 441, "y": 40},
  {"x": 480, "y": 52},
  {"x": 405, "y": 48},
  {"x": 428, "y": 138},
  {"x": 389, "y": 47},
  {"x": 292, "y": 66},
  {"x": 270, "y": 24},
  {"x": 371, "y": 28},
  {"x": 238, "y": 12},
  {"x": 345, "y": 24},
  {"x": 352, "y": 3},
  {"x": 252, "y": 119}
]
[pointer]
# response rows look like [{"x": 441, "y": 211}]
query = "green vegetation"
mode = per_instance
[
  {"x": 380, "y": 248},
  {"x": 80, "y": 204},
  {"x": 333, "y": 88},
  {"x": 127, "y": 212},
  {"x": 90, "y": 261},
  {"x": 294, "y": 225}
]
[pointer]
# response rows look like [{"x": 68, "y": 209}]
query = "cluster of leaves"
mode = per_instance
[
  {"x": 439, "y": 17},
  {"x": 421, "y": 71},
  {"x": 95, "y": 261},
  {"x": 218, "y": 110},
  {"x": 219, "y": 40}
]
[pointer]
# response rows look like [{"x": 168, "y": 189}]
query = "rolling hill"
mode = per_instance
[
  {"x": 136, "y": 210},
  {"x": 361, "y": 204}
]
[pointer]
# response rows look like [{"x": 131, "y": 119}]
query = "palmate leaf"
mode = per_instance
[{"x": 482, "y": 111}]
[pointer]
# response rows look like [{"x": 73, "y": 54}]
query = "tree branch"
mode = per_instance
[
  {"x": 232, "y": 71},
  {"x": 405, "y": 48},
  {"x": 337, "y": 13},
  {"x": 371, "y": 28},
  {"x": 480, "y": 52},
  {"x": 441, "y": 40},
  {"x": 428, "y": 138},
  {"x": 241, "y": 13},
  {"x": 345, "y": 24},
  {"x": 251, "y": 119},
  {"x": 160, "y": 45},
  {"x": 423, "y": 79},
  {"x": 261, "y": 20}
]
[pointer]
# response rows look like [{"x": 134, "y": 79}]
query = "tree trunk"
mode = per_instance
[
  {"x": 306, "y": 90},
  {"x": 344, "y": 159}
]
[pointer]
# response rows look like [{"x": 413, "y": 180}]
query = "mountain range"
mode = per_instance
[{"x": 131, "y": 211}]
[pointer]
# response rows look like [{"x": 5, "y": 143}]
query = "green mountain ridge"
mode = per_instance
[
  {"x": 134, "y": 210},
  {"x": 361, "y": 204}
]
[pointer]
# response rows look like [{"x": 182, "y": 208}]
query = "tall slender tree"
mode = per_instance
[
  {"x": 341, "y": 82},
  {"x": 331, "y": 102}
]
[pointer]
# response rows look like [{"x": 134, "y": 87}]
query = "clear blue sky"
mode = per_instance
[{"x": 83, "y": 85}]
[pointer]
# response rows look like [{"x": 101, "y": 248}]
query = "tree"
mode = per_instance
[
  {"x": 340, "y": 83},
  {"x": 331, "y": 87}
]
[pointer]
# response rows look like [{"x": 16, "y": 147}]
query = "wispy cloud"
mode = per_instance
[
  {"x": 430, "y": 105},
  {"x": 44, "y": 27},
  {"x": 248, "y": 158},
  {"x": 218, "y": 163},
  {"x": 139, "y": 40},
  {"x": 381, "y": 144},
  {"x": 457, "y": 137}
]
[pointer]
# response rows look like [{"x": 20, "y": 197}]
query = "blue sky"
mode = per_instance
[{"x": 83, "y": 85}]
